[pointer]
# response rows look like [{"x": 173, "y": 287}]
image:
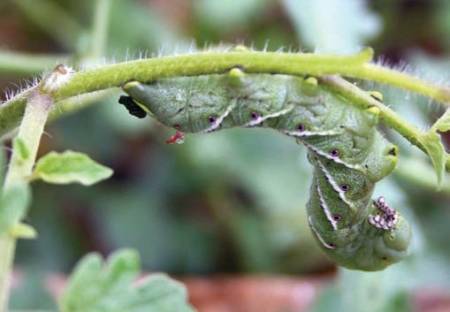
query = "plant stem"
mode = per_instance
[
  {"x": 100, "y": 28},
  {"x": 30, "y": 132},
  {"x": 212, "y": 62},
  {"x": 7, "y": 246},
  {"x": 27, "y": 64},
  {"x": 110, "y": 76},
  {"x": 147, "y": 70},
  {"x": 389, "y": 117},
  {"x": 398, "y": 79}
]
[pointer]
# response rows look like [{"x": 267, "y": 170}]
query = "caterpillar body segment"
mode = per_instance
[{"x": 348, "y": 153}]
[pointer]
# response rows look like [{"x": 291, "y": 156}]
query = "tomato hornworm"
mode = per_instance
[{"x": 344, "y": 146}]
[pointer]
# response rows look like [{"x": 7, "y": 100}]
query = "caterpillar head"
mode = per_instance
[
  {"x": 392, "y": 245},
  {"x": 377, "y": 242},
  {"x": 385, "y": 241},
  {"x": 383, "y": 248},
  {"x": 184, "y": 104}
]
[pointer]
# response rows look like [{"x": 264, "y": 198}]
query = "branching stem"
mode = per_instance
[{"x": 38, "y": 107}]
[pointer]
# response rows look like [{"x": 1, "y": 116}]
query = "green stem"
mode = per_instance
[
  {"x": 398, "y": 79},
  {"x": 115, "y": 75},
  {"x": 207, "y": 63},
  {"x": 100, "y": 28},
  {"x": 27, "y": 64},
  {"x": 30, "y": 132},
  {"x": 211, "y": 62},
  {"x": 7, "y": 246},
  {"x": 389, "y": 117}
]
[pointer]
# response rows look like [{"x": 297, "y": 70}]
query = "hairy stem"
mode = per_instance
[
  {"x": 30, "y": 131},
  {"x": 211, "y": 62},
  {"x": 115, "y": 75},
  {"x": 208, "y": 63},
  {"x": 398, "y": 79},
  {"x": 389, "y": 117}
]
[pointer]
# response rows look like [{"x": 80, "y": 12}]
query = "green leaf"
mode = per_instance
[
  {"x": 13, "y": 206},
  {"x": 436, "y": 150},
  {"x": 70, "y": 167},
  {"x": 23, "y": 231},
  {"x": 443, "y": 123},
  {"x": 96, "y": 287}
]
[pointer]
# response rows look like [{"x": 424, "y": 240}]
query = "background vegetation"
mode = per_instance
[{"x": 230, "y": 202}]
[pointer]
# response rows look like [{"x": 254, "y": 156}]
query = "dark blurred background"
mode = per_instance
[{"x": 231, "y": 202}]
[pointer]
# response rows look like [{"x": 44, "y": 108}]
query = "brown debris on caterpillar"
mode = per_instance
[{"x": 387, "y": 217}]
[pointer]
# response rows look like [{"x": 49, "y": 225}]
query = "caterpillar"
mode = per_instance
[{"x": 348, "y": 153}]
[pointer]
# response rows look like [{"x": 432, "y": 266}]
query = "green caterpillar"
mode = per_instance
[{"x": 348, "y": 153}]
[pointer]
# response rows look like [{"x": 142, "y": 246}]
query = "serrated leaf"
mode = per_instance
[
  {"x": 96, "y": 287},
  {"x": 70, "y": 167},
  {"x": 14, "y": 203},
  {"x": 443, "y": 123},
  {"x": 436, "y": 150}
]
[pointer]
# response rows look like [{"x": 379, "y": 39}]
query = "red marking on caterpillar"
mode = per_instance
[{"x": 177, "y": 138}]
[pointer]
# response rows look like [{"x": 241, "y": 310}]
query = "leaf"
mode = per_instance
[
  {"x": 14, "y": 203},
  {"x": 436, "y": 150},
  {"x": 443, "y": 123},
  {"x": 96, "y": 286},
  {"x": 70, "y": 167},
  {"x": 324, "y": 27},
  {"x": 23, "y": 231}
]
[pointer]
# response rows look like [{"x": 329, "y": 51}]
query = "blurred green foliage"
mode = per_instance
[
  {"x": 98, "y": 285},
  {"x": 231, "y": 201}
]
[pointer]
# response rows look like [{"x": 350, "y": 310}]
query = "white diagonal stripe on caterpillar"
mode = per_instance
[
  {"x": 326, "y": 209},
  {"x": 261, "y": 119},
  {"x": 333, "y": 158},
  {"x": 319, "y": 237},
  {"x": 306, "y": 134},
  {"x": 216, "y": 124},
  {"x": 335, "y": 186}
]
